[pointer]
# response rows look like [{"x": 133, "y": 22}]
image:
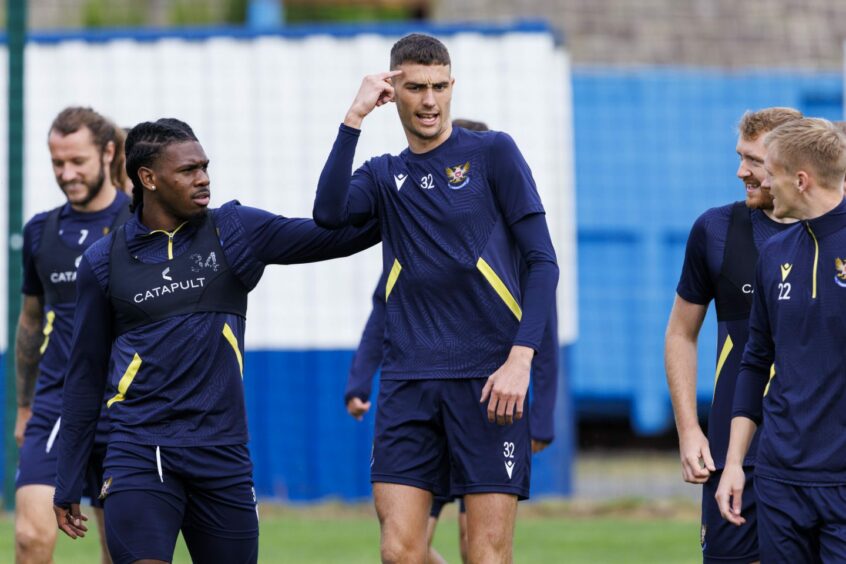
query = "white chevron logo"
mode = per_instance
[
  {"x": 399, "y": 179},
  {"x": 165, "y": 274},
  {"x": 509, "y": 467}
]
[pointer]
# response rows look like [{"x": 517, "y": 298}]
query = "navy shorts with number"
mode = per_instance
[
  {"x": 206, "y": 492},
  {"x": 801, "y": 523},
  {"x": 435, "y": 435},
  {"x": 722, "y": 542},
  {"x": 37, "y": 459}
]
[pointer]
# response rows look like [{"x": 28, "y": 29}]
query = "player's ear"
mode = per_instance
[
  {"x": 147, "y": 177},
  {"x": 802, "y": 181},
  {"x": 109, "y": 152}
]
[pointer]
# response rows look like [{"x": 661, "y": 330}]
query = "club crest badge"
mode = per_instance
[
  {"x": 458, "y": 176},
  {"x": 840, "y": 275},
  {"x": 104, "y": 491}
]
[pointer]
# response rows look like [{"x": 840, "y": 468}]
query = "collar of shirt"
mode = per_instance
[
  {"x": 440, "y": 149},
  {"x": 830, "y": 222},
  {"x": 135, "y": 229}
]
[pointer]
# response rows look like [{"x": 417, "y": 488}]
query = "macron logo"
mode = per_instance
[
  {"x": 165, "y": 274},
  {"x": 509, "y": 467},
  {"x": 399, "y": 179}
]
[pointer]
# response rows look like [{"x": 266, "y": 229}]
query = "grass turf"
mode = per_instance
[{"x": 628, "y": 531}]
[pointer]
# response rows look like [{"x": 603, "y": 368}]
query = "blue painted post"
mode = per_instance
[{"x": 265, "y": 14}]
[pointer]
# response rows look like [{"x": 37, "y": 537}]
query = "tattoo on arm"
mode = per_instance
[{"x": 27, "y": 354}]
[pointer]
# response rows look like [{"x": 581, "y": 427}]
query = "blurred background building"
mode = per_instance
[{"x": 713, "y": 33}]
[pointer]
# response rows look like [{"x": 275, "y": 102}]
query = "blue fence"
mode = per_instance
[
  {"x": 306, "y": 447},
  {"x": 654, "y": 149}
]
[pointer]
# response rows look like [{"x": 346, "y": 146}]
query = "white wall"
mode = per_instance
[{"x": 267, "y": 110}]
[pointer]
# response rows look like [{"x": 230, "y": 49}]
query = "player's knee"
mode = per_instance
[
  {"x": 396, "y": 549},
  {"x": 463, "y": 549},
  {"x": 32, "y": 544},
  {"x": 489, "y": 546}
]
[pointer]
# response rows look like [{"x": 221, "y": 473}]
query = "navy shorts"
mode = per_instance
[
  {"x": 722, "y": 542},
  {"x": 438, "y": 503},
  {"x": 801, "y": 523},
  {"x": 151, "y": 493},
  {"x": 37, "y": 460},
  {"x": 435, "y": 435}
]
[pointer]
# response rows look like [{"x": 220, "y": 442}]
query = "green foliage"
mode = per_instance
[
  {"x": 304, "y": 13},
  {"x": 190, "y": 12},
  {"x": 103, "y": 13},
  {"x": 235, "y": 11},
  {"x": 135, "y": 13}
]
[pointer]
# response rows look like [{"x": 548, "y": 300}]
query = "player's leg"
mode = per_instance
[
  {"x": 722, "y": 542},
  {"x": 787, "y": 523},
  {"x": 403, "y": 513},
  {"x": 93, "y": 489},
  {"x": 216, "y": 531},
  {"x": 35, "y": 524},
  {"x": 142, "y": 526},
  {"x": 490, "y": 526},
  {"x": 409, "y": 462},
  {"x": 144, "y": 504},
  {"x": 221, "y": 518},
  {"x": 462, "y": 530},
  {"x": 438, "y": 503},
  {"x": 100, "y": 517},
  {"x": 831, "y": 504},
  {"x": 491, "y": 468}
]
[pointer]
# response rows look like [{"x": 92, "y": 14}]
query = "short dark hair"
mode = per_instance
[
  {"x": 73, "y": 118},
  {"x": 420, "y": 49},
  {"x": 144, "y": 144},
  {"x": 470, "y": 124}
]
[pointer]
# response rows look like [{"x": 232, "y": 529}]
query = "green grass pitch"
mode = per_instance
[{"x": 629, "y": 532}]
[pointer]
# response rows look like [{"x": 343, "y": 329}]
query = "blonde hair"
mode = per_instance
[
  {"x": 810, "y": 143},
  {"x": 754, "y": 124}
]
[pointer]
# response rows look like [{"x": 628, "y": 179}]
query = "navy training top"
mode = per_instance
[
  {"x": 799, "y": 323},
  {"x": 189, "y": 382},
  {"x": 77, "y": 231},
  {"x": 456, "y": 222},
  {"x": 703, "y": 261}
]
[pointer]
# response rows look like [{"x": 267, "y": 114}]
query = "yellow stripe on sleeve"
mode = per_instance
[
  {"x": 727, "y": 346},
  {"x": 230, "y": 338},
  {"x": 499, "y": 287},
  {"x": 126, "y": 380},
  {"x": 770, "y": 381},
  {"x": 392, "y": 278},
  {"x": 51, "y": 317}
]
